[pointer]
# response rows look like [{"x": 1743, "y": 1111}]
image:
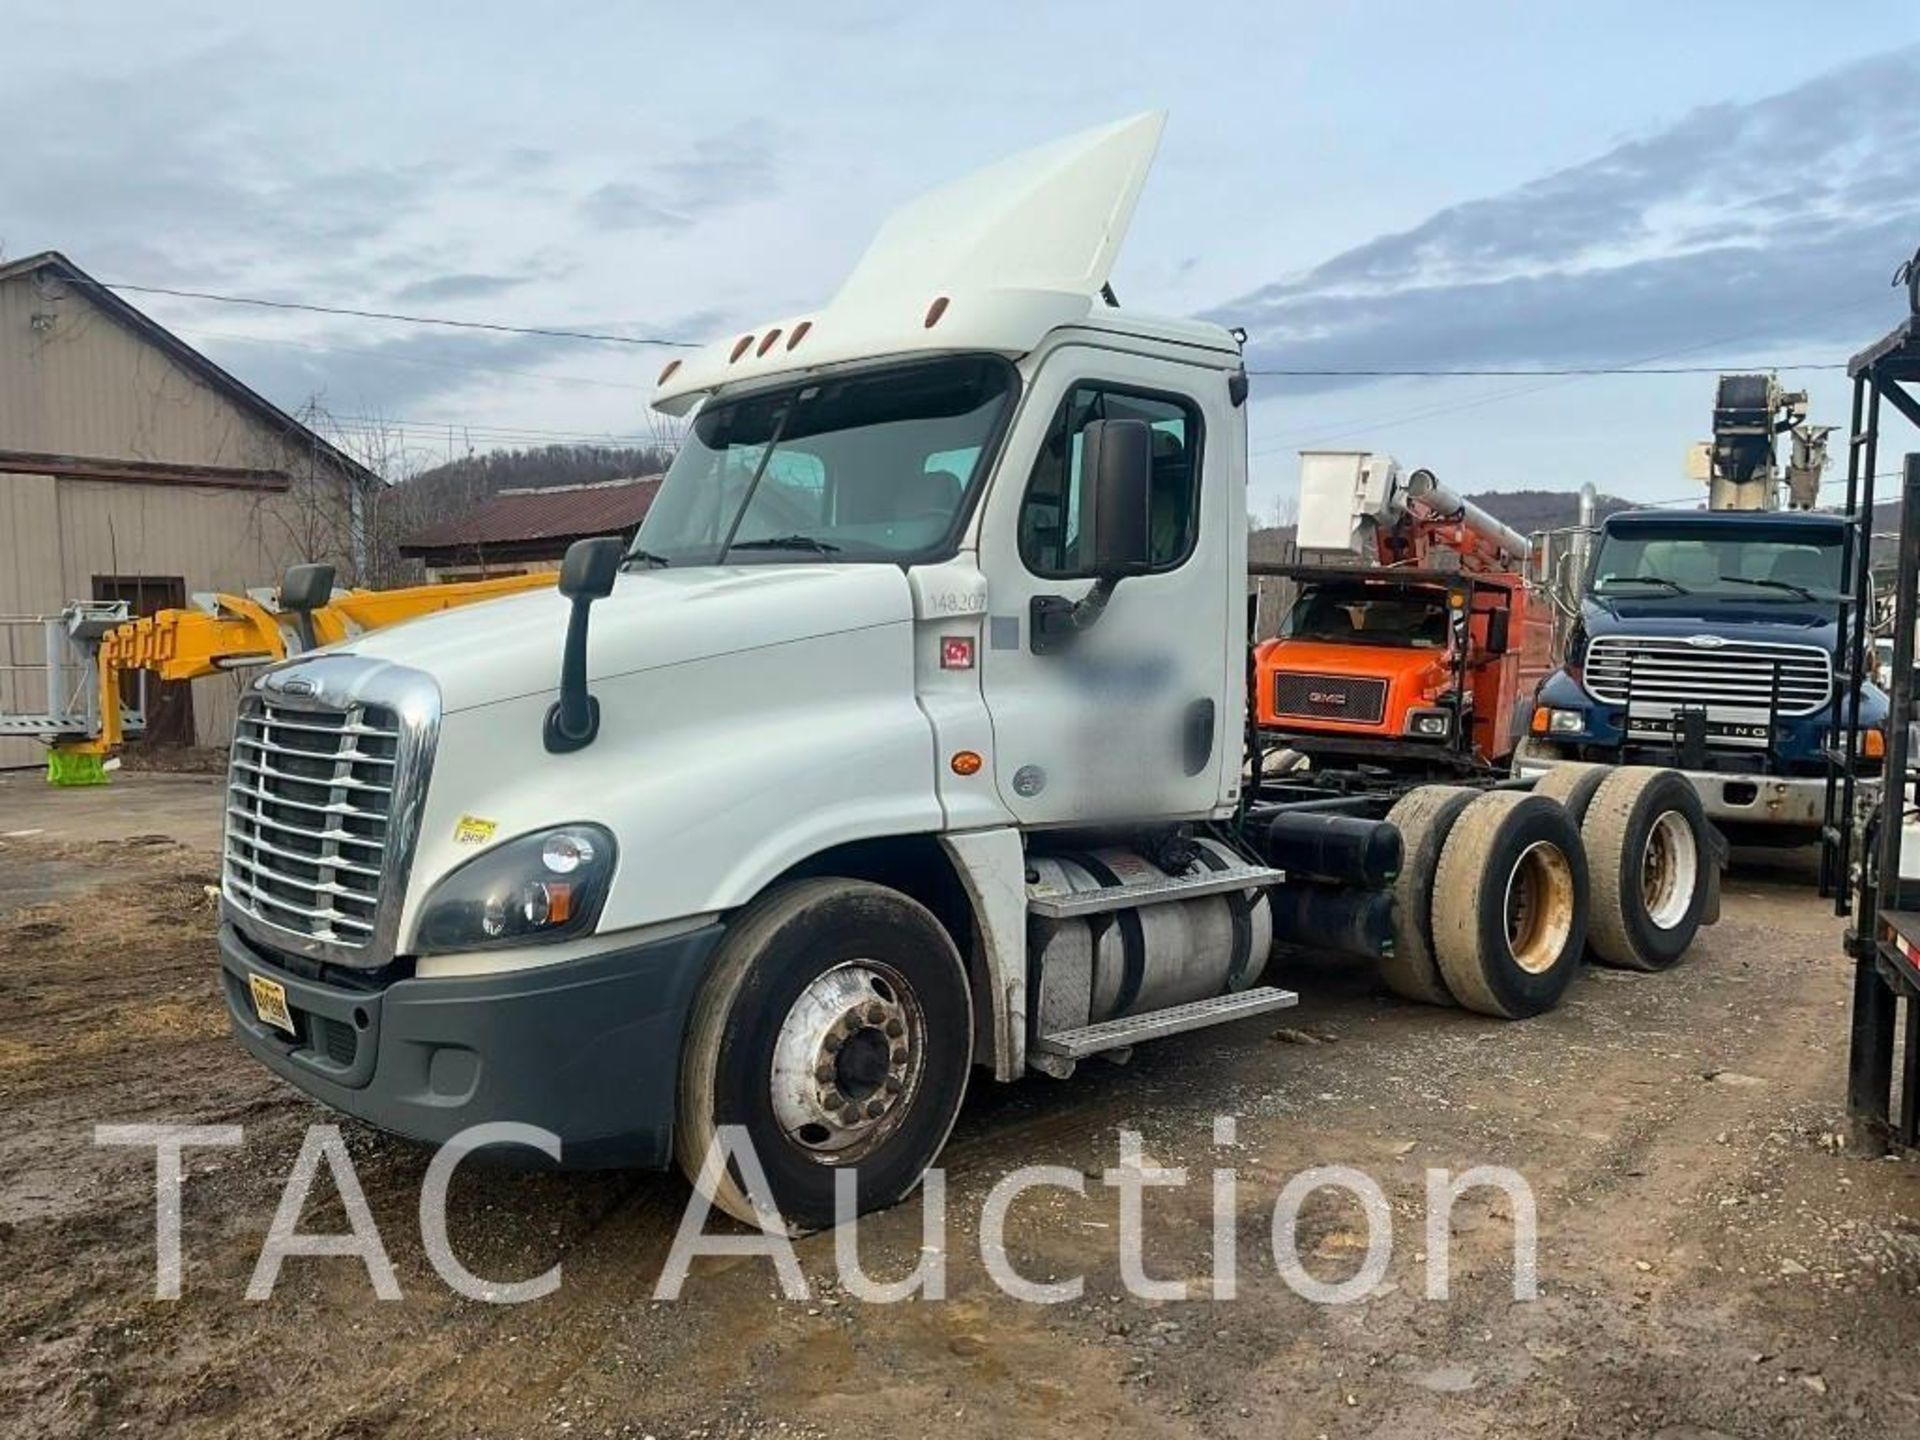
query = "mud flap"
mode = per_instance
[{"x": 1716, "y": 867}]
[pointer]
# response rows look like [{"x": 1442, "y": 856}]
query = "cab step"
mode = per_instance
[
  {"x": 1071, "y": 1045},
  {"x": 1053, "y": 905}
]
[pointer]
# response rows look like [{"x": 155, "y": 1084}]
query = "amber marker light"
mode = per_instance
[{"x": 966, "y": 762}]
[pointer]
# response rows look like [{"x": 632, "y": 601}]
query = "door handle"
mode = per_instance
[{"x": 1196, "y": 735}]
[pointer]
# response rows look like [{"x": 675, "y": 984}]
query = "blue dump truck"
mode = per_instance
[{"x": 1707, "y": 642}]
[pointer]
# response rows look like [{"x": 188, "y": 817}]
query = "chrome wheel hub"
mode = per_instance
[{"x": 847, "y": 1061}]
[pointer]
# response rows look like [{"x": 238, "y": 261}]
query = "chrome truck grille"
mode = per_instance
[
  {"x": 1329, "y": 697},
  {"x": 322, "y": 804},
  {"x": 1742, "y": 685}
]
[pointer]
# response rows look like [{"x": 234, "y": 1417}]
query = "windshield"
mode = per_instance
[
  {"x": 1743, "y": 561},
  {"x": 1369, "y": 615},
  {"x": 875, "y": 466}
]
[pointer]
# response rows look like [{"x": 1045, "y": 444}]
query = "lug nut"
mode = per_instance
[
  {"x": 823, "y": 1074},
  {"x": 891, "y": 1085},
  {"x": 875, "y": 1108},
  {"x": 895, "y": 1029},
  {"x": 833, "y": 1042},
  {"x": 899, "y": 1056},
  {"x": 833, "y": 1100},
  {"x": 850, "y": 1115}
]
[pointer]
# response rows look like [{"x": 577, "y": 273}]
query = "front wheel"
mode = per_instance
[{"x": 835, "y": 1031}]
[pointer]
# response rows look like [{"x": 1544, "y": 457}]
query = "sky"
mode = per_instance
[{"x": 1361, "y": 186}]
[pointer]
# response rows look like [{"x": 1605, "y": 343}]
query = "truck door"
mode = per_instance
[{"x": 1131, "y": 720}]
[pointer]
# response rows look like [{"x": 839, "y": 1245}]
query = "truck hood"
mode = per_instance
[
  {"x": 508, "y": 648},
  {"x": 1783, "y": 622}
]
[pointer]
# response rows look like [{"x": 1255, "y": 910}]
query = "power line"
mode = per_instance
[
  {"x": 1524, "y": 373},
  {"x": 385, "y": 357},
  {"x": 547, "y": 332},
  {"x": 374, "y": 424}
]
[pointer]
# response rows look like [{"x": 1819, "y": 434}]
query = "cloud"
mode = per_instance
[
  {"x": 459, "y": 287},
  {"x": 718, "y": 171},
  {"x": 1775, "y": 221},
  {"x": 392, "y": 377},
  {"x": 140, "y": 171}
]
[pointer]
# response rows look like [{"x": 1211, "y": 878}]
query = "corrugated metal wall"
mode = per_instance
[{"x": 74, "y": 381}]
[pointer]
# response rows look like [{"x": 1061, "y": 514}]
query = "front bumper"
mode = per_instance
[
  {"x": 1797, "y": 801},
  {"x": 588, "y": 1049}
]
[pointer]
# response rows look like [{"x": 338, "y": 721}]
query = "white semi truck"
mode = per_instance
[{"x": 905, "y": 742}]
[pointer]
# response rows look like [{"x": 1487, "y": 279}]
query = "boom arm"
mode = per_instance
[
  {"x": 240, "y": 630},
  {"x": 1360, "y": 502}
]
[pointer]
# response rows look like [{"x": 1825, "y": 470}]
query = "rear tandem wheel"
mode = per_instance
[{"x": 1510, "y": 904}]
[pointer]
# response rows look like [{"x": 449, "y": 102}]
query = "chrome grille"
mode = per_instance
[
  {"x": 1329, "y": 697},
  {"x": 1737, "y": 680},
  {"x": 309, "y": 813}
]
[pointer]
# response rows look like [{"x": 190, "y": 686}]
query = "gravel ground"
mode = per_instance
[{"x": 1709, "y": 1264}]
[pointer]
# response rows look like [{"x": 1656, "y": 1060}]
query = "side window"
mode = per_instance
[{"x": 1052, "y": 542}]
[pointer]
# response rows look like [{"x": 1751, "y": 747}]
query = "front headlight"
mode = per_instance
[
  {"x": 545, "y": 886},
  {"x": 1430, "y": 724},
  {"x": 1566, "y": 722}
]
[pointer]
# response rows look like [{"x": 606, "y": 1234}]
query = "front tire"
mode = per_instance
[{"x": 835, "y": 1029}]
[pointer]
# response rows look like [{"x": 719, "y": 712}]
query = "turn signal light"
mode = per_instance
[
  {"x": 1539, "y": 725},
  {"x": 1873, "y": 744},
  {"x": 966, "y": 762}
]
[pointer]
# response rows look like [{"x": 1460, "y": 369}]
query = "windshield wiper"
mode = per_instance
[
  {"x": 1787, "y": 585},
  {"x": 1673, "y": 586},
  {"x": 788, "y": 542},
  {"x": 647, "y": 558}
]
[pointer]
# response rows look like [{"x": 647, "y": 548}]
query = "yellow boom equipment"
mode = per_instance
[{"x": 235, "y": 631}]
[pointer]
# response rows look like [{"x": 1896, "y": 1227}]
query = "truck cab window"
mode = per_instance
[
  {"x": 1696, "y": 557},
  {"x": 1053, "y": 542},
  {"x": 1369, "y": 615},
  {"x": 874, "y": 466}
]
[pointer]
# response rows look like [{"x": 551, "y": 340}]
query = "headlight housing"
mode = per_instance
[
  {"x": 544, "y": 886},
  {"x": 1434, "y": 724},
  {"x": 1549, "y": 720}
]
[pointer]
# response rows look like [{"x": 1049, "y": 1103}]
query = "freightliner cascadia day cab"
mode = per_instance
[{"x": 904, "y": 741}]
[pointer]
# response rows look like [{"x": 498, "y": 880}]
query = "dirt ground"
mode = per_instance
[{"x": 1709, "y": 1263}]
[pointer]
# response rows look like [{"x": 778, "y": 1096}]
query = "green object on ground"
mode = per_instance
[{"x": 65, "y": 767}]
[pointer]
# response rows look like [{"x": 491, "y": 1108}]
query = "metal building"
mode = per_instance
[
  {"x": 523, "y": 530},
  {"x": 133, "y": 467}
]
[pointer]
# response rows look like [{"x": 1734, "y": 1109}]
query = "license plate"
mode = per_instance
[{"x": 270, "y": 1002}]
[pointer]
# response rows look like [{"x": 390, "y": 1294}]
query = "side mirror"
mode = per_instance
[
  {"x": 303, "y": 590},
  {"x": 586, "y": 575},
  {"x": 1116, "y": 458},
  {"x": 1499, "y": 627},
  {"x": 590, "y": 567}
]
